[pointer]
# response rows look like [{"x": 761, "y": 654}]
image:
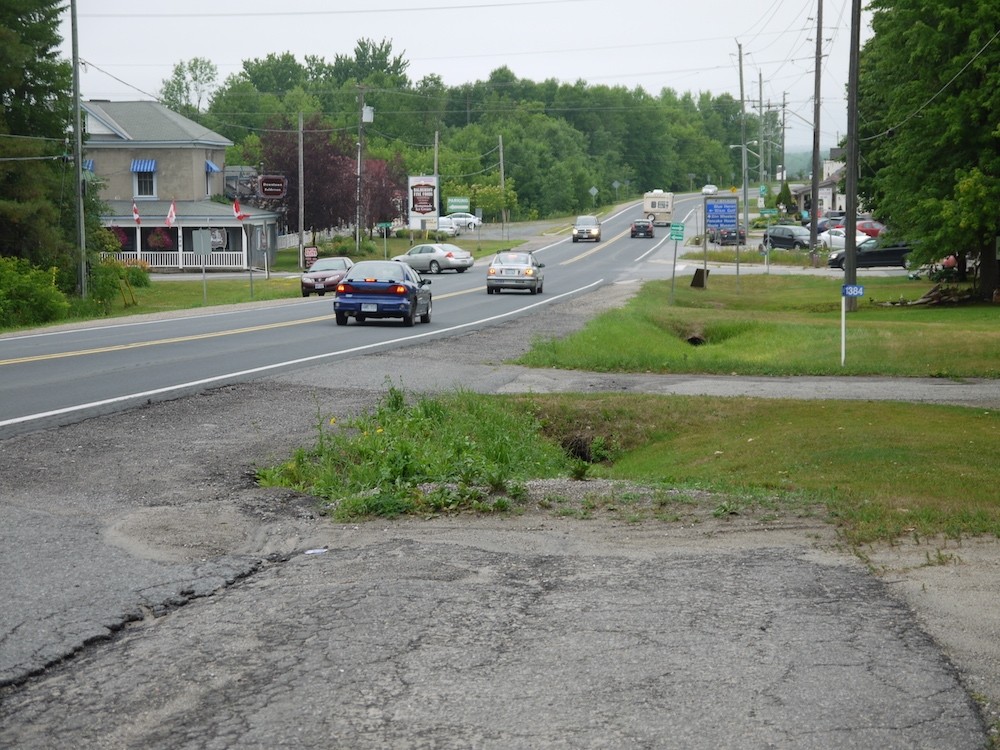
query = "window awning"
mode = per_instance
[
  {"x": 88, "y": 165},
  {"x": 211, "y": 167},
  {"x": 143, "y": 165}
]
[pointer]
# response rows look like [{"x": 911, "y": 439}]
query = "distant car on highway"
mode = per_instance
[
  {"x": 514, "y": 270},
  {"x": 710, "y": 190},
  {"x": 587, "y": 228},
  {"x": 382, "y": 289},
  {"x": 642, "y": 228},
  {"x": 323, "y": 275},
  {"x": 437, "y": 257}
]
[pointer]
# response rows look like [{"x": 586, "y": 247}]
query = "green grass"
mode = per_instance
[{"x": 780, "y": 326}]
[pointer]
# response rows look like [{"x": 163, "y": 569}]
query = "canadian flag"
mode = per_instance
[
  {"x": 236, "y": 210},
  {"x": 171, "y": 214},
  {"x": 135, "y": 213}
]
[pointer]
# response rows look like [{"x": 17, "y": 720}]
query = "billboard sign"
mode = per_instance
[{"x": 423, "y": 192}]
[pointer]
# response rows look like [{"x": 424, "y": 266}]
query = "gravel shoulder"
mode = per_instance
[{"x": 170, "y": 486}]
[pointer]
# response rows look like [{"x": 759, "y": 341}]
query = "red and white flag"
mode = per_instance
[
  {"x": 135, "y": 213},
  {"x": 171, "y": 215},
  {"x": 236, "y": 210}
]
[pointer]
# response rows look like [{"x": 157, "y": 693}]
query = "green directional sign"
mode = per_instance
[
  {"x": 769, "y": 212},
  {"x": 677, "y": 230},
  {"x": 457, "y": 204}
]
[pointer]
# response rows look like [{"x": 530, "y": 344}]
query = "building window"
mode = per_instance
[{"x": 145, "y": 184}]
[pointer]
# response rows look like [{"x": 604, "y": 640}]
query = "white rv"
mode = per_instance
[{"x": 658, "y": 207}]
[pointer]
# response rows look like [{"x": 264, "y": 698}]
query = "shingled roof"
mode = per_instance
[{"x": 145, "y": 123}]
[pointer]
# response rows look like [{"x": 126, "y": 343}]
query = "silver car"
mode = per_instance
[
  {"x": 437, "y": 257},
  {"x": 513, "y": 270}
]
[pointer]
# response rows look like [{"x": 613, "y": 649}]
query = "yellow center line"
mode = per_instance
[
  {"x": 181, "y": 339},
  {"x": 597, "y": 247}
]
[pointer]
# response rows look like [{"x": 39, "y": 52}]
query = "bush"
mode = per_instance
[{"x": 28, "y": 295}]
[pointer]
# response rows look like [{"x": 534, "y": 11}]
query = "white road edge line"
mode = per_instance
[{"x": 278, "y": 365}]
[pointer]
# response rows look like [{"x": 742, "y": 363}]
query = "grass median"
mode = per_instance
[{"x": 878, "y": 470}]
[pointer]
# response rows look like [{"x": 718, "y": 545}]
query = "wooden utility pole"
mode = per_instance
[
  {"x": 816, "y": 165},
  {"x": 853, "y": 156}
]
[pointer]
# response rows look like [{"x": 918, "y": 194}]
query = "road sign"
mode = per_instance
[
  {"x": 457, "y": 204},
  {"x": 763, "y": 190},
  {"x": 769, "y": 212},
  {"x": 721, "y": 212},
  {"x": 677, "y": 230},
  {"x": 384, "y": 225},
  {"x": 852, "y": 290},
  {"x": 272, "y": 186}
]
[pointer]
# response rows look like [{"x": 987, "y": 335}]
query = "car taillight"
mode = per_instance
[
  {"x": 449, "y": 254},
  {"x": 344, "y": 289},
  {"x": 398, "y": 289},
  {"x": 491, "y": 272}
]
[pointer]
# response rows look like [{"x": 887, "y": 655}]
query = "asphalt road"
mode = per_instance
[{"x": 154, "y": 596}]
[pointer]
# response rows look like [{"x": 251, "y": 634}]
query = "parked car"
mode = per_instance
[
  {"x": 447, "y": 227},
  {"x": 514, "y": 270},
  {"x": 467, "y": 220},
  {"x": 642, "y": 228},
  {"x": 728, "y": 236},
  {"x": 324, "y": 274},
  {"x": 587, "y": 228},
  {"x": 437, "y": 257},
  {"x": 382, "y": 289},
  {"x": 836, "y": 238},
  {"x": 789, "y": 236},
  {"x": 870, "y": 227},
  {"x": 872, "y": 253},
  {"x": 710, "y": 190}
]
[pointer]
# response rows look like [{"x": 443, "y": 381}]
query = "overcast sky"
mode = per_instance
[{"x": 686, "y": 45}]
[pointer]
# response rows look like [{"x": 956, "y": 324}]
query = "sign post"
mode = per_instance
[
  {"x": 847, "y": 290},
  {"x": 385, "y": 226},
  {"x": 722, "y": 212},
  {"x": 677, "y": 235}
]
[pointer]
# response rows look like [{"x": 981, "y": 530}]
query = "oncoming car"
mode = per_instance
[
  {"x": 512, "y": 270},
  {"x": 382, "y": 289},
  {"x": 710, "y": 190},
  {"x": 587, "y": 228},
  {"x": 324, "y": 274}
]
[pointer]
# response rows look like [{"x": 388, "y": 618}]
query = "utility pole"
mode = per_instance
[
  {"x": 760, "y": 105},
  {"x": 302, "y": 201},
  {"x": 361, "y": 134},
  {"x": 503, "y": 193},
  {"x": 814, "y": 208},
  {"x": 743, "y": 143},
  {"x": 853, "y": 157},
  {"x": 78, "y": 157}
]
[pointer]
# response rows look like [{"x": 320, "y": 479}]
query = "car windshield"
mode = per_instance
[
  {"x": 329, "y": 264},
  {"x": 513, "y": 259},
  {"x": 584, "y": 221},
  {"x": 381, "y": 270}
]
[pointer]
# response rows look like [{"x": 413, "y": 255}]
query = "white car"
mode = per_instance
[
  {"x": 435, "y": 257},
  {"x": 469, "y": 221},
  {"x": 709, "y": 190},
  {"x": 836, "y": 238},
  {"x": 447, "y": 227}
]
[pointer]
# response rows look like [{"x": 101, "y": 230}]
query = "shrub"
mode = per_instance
[{"x": 28, "y": 295}]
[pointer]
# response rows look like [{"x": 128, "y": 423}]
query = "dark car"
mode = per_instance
[
  {"x": 642, "y": 228},
  {"x": 382, "y": 289},
  {"x": 790, "y": 236},
  {"x": 323, "y": 275},
  {"x": 871, "y": 253},
  {"x": 728, "y": 236},
  {"x": 587, "y": 228}
]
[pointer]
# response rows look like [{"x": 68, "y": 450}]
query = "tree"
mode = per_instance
[
  {"x": 189, "y": 85},
  {"x": 929, "y": 104},
  {"x": 34, "y": 120}
]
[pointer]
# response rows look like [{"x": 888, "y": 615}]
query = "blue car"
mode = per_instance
[{"x": 382, "y": 289}]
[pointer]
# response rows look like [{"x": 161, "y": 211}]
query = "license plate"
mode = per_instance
[
  {"x": 369, "y": 307},
  {"x": 509, "y": 272},
  {"x": 320, "y": 286}
]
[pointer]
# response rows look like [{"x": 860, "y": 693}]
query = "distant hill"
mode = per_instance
[{"x": 799, "y": 164}]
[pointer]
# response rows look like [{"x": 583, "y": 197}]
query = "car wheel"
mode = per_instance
[
  {"x": 360, "y": 318},
  {"x": 426, "y": 317},
  {"x": 798, "y": 245},
  {"x": 305, "y": 294},
  {"x": 533, "y": 290},
  {"x": 341, "y": 319},
  {"x": 435, "y": 267},
  {"x": 540, "y": 288},
  {"x": 461, "y": 270},
  {"x": 575, "y": 239}
]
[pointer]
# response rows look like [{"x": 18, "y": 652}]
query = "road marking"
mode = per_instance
[{"x": 143, "y": 395}]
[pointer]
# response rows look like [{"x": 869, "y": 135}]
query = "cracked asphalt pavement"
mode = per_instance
[{"x": 153, "y": 596}]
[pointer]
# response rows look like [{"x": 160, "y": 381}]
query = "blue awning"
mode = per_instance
[
  {"x": 211, "y": 167},
  {"x": 88, "y": 165},
  {"x": 144, "y": 165}
]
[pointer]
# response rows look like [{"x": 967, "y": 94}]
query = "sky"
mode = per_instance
[{"x": 129, "y": 48}]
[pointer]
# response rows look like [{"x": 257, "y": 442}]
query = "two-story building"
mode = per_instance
[{"x": 158, "y": 173}]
